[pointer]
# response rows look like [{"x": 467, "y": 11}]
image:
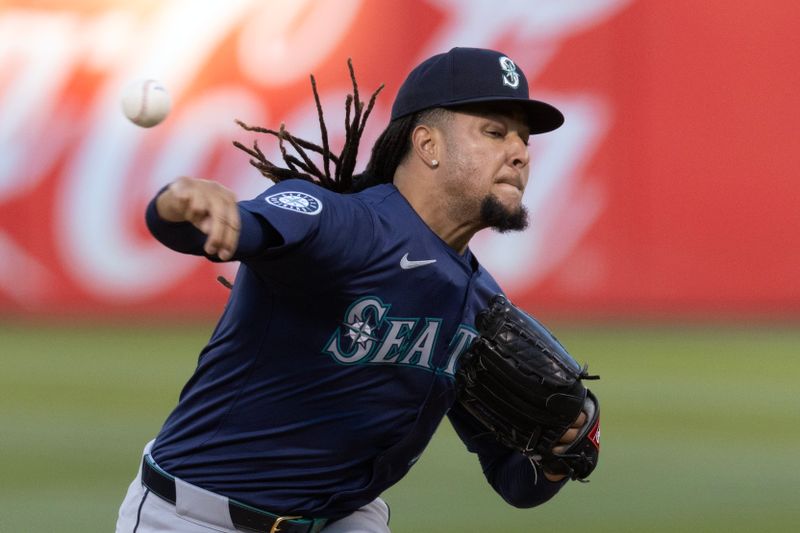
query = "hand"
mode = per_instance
[
  {"x": 209, "y": 206},
  {"x": 566, "y": 439}
]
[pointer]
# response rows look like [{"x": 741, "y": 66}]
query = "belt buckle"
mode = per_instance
[{"x": 276, "y": 525}]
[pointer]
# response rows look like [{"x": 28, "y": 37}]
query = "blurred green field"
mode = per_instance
[{"x": 700, "y": 432}]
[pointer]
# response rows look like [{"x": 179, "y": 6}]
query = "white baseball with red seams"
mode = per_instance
[{"x": 146, "y": 102}]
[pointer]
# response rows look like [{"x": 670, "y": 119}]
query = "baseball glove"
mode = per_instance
[{"x": 525, "y": 388}]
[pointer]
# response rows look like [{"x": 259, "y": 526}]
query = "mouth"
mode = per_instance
[{"x": 511, "y": 181}]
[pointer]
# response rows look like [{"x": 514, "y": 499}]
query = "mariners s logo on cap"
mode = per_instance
[
  {"x": 296, "y": 201},
  {"x": 510, "y": 76}
]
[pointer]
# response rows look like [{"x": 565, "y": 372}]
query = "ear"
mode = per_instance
[{"x": 426, "y": 142}]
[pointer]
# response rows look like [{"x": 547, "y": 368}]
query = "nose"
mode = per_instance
[{"x": 519, "y": 154}]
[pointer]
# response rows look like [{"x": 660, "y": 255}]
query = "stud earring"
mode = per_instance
[{"x": 434, "y": 163}]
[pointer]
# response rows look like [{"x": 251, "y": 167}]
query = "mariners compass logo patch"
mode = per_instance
[
  {"x": 299, "y": 202},
  {"x": 510, "y": 74}
]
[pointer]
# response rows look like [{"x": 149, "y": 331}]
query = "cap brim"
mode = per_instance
[{"x": 542, "y": 117}]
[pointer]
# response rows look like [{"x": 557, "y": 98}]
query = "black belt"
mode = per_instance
[{"x": 244, "y": 517}]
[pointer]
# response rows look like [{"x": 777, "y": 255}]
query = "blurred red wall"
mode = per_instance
[{"x": 671, "y": 191}]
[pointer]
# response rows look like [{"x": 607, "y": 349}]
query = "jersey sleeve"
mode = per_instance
[
  {"x": 331, "y": 230},
  {"x": 510, "y": 473}
]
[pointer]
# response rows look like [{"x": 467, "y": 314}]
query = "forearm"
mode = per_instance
[
  {"x": 517, "y": 481},
  {"x": 256, "y": 235},
  {"x": 510, "y": 473}
]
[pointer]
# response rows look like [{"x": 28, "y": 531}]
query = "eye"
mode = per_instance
[{"x": 494, "y": 133}]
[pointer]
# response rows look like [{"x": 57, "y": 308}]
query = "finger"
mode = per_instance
[
  {"x": 569, "y": 435},
  {"x": 215, "y": 234},
  {"x": 224, "y": 227},
  {"x": 206, "y": 221},
  {"x": 580, "y": 421},
  {"x": 205, "y": 224},
  {"x": 230, "y": 238},
  {"x": 235, "y": 228},
  {"x": 229, "y": 217},
  {"x": 554, "y": 477},
  {"x": 560, "y": 449}
]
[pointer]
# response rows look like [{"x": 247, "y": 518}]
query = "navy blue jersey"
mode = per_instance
[{"x": 333, "y": 362}]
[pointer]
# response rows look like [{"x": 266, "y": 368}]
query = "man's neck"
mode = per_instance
[{"x": 433, "y": 209}]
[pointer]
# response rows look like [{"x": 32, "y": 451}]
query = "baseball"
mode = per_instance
[{"x": 146, "y": 102}]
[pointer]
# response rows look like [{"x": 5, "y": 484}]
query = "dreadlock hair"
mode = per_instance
[
  {"x": 304, "y": 168},
  {"x": 389, "y": 151}
]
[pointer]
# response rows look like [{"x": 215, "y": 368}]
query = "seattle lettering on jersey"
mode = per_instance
[{"x": 369, "y": 336}]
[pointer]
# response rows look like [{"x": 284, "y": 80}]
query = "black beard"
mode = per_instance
[{"x": 495, "y": 215}]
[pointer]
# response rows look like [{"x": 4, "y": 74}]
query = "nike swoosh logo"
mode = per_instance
[{"x": 406, "y": 264}]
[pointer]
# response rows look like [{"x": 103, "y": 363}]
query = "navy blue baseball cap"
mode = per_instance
[{"x": 470, "y": 75}]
